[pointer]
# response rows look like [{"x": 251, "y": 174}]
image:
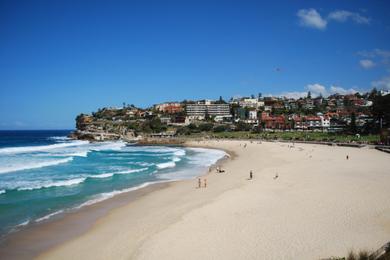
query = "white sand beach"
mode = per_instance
[{"x": 320, "y": 205}]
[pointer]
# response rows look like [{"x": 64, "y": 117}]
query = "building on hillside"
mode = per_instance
[
  {"x": 169, "y": 107},
  {"x": 325, "y": 122},
  {"x": 267, "y": 108},
  {"x": 165, "y": 120},
  {"x": 318, "y": 101},
  {"x": 311, "y": 122},
  {"x": 252, "y": 114},
  {"x": 218, "y": 110},
  {"x": 239, "y": 113},
  {"x": 199, "y": 111},
  {"x": 196, "y": 111},
  {"x": 251, "y": 102},
  {"x": 274, "y": 122}
]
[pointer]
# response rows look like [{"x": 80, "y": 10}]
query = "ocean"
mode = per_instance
[{"x": 44, "y": 174}]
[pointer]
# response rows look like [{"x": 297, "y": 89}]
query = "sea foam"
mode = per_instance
[
  {"x": 51, "y": 184},
  {"x": 33, "y": 165},
  {"x": 170, "y": 164},
  {"x": 49, "y": 216},
  {"x": 107, "y": 195},
  {"x": 30, "y": 149}
]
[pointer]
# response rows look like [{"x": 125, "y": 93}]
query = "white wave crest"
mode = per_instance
[
  {"x": 107, "y": 195},
  {"x": 77, "y": 154},
  {"x": 176, "y": 159},
  {"x": 29, "y": 149},
  {"x": 206, "y": 157},
  {"x": 2, "y": 191},
  {"x": 106, "y": 146},
  {"x": 28, "y": 166},
  {"x": 166, "y": 165},
  {"x": 180, "y": 153},
  {"x": 54, "y": 184},
  {"x": 59, "y": 138},
  {"x": 110, "y": 174},
  {"x": 49, "y": 215},
  {"x": 25, "y": 223},
  {"x": 101, "y": 176},
  {"x": 131, "y": 171}
]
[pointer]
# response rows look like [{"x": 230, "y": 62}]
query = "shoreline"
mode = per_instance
[
  {"x": 318, "y": 197},
  {"x": 55, "y": 231}
]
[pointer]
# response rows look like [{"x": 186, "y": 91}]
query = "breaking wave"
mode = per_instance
[
  {"x": 49, "y": 216},
  {"x": 107, "y": 195},
  {"x": 51, "y": 184},
  {"x": 33, "y": 165},
  {"x": 107, "y": 175},
  {"x": 31, "y": 149},
  {"x": 166, "y": 165}
]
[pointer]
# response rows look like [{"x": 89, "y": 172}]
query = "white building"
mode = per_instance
[
  {"x": 199, "y": 111},
  {"x": 251, "y": 102},
  {"x": 325, "y": 122},
  {"x": 252, "y": 114},
  {"x": 196, "y": 111}
]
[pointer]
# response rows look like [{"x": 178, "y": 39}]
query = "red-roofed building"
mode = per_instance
[
  {"x": 311, "y": 122},
  {"x": 169, "y": 108},
  {"x": 274, "y": 122}
]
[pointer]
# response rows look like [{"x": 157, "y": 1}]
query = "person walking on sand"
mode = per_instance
[
  {"x": 347, "y": 157},
  {"x": 250, "y": 175},
  {"x": 205, "y": 183},
  {"x": 199, "y": 183}
]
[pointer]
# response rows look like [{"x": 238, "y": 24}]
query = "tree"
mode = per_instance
[
  {"x": 381, "y": 109},
  {"x": 352, "y": 126},
  {"x": 241, "y": 126},
  {"x": 205, "y": 127},
  {"x": 220, "y": 128},
  {"x": 309, "y": 94},
  {"x": 373, "y": 94},
  {"x": 221, "y": 101},
  {"x": 259, "y": 95}
]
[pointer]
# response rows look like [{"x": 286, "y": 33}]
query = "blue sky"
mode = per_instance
[{"x": 61, "y": 58}]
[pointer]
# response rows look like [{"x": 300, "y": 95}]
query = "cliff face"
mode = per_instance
[
  {"x": 127, "y": 123},
  {"x": 93, "y": 128}
]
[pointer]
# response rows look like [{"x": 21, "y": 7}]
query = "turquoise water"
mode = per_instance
[{"x": 44, "y": 174}]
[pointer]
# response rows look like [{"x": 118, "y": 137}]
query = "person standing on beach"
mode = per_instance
[
  {"x": 250, "y": 175},
  {"x": 205, "y": 183},
  {"x": 199, "y": 183}
]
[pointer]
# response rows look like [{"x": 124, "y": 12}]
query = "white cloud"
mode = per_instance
[
  {"x": 383, "y": 83},
  {"x": 375, "y": 53},
  {"x": 317, "y": 89},
  {"x": 366, "y": 64},
  {"x": 311, "y": 18},
  {"x": 378, "y": 57},
  {"x": 341, "y": 91},
  {"x": 343, "y": 16},
  {"x": 382, "y": 56},
  {"x": 294, "y": 94}
]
